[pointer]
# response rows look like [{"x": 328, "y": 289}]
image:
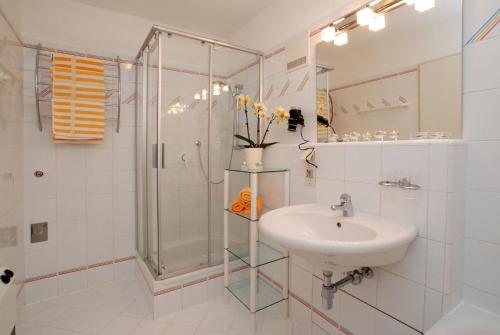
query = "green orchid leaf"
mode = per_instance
[
  {"x": 252, "y": 144},
  {"x": 265, "y": 145}
]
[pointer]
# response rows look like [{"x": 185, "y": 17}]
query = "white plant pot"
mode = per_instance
[{"x": 253, "y": 158}]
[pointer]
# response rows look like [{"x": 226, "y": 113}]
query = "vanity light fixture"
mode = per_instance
[
  {"x": 365, "y": 16},
  {"x": 377, "y": 23},
  {"x": 328, "y": 33},
  {"x": 341, "y": 39},
  {"x": 423, "y": 5},
  {"x": 338, "y": 21}
]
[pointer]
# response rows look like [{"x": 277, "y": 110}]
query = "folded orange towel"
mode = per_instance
[
  {"x": 248, "y": 204},
  {"x": 238, "y": 205},
  {"x": 245, "y": 194}
]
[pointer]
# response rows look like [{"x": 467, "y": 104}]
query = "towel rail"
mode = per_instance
[{"x": 44, "y": 95}]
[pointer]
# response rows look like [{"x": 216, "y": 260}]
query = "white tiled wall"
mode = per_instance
[
  {"x": 87, "y": 196},
  {"x": 428, "y": 281},
  {"x": 11, "y": 150},
  {"x": 481, "y": 94}
]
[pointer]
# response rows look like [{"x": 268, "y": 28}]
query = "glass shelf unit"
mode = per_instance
[
  {"x": 265, "y": 253},
  {"x": 254, "y": 292},
  {"x": 267, "y": 294}
]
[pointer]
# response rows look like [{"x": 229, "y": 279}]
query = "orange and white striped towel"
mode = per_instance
[{"x": 78, "y": 99}]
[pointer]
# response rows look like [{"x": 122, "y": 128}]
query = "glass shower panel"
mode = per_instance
[
  {"x": 140, "y": 159},
  {"x": 151, "y": 189},
  {"x": 234, "y": 72},
  {"x": 183, "y": 186}
]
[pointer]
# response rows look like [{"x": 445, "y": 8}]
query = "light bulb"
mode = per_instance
[
  {"x": 423, "y": 5},
  {"x": 341, "y": 39},
  {"x": 197, "y": 96},
  {"x": 328, "y": 34},
  {"x": 204, "y": 94},
  {"x": 225, "y": 88},
  {"x": 377, "y": 23},
  {"x": 364, "y": 16}
]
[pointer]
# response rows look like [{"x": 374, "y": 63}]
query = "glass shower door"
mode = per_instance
[{"x": 183, "y": 187}]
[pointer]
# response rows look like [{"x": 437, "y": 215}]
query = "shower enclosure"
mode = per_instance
[{"x": 186, "y": 109}]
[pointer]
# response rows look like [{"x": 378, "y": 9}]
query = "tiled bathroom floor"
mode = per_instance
[{"x": 119, "y": 308}]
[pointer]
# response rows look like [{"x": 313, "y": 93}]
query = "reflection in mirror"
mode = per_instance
[{"x": 398, "y": 82}]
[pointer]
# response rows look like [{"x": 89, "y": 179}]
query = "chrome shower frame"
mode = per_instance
[{"x": 156, "y": 33}]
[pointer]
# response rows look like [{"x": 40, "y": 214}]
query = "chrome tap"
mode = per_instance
[{"x": 345, "y": 205}]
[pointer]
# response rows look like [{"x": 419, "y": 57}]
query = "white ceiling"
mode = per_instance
[{"x": 219, "y": 18}]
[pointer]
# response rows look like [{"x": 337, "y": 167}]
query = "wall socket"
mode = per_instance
[
  {"x": 39, "y": 232},
  {"x": 310, "y": 175}
]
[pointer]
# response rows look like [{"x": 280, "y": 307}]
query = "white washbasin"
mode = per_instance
[{"x": 331, "y": 241}]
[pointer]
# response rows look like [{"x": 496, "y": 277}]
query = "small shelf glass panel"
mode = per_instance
[
  {"x": 265, "y": 253},
  {"x": 263, "y": 170},
  {"x": 267, "y": 294}
]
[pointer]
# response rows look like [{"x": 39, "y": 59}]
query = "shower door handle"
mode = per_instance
[
  {"x": 155, "y": 156},
  {"x": 163, "y": 155}
]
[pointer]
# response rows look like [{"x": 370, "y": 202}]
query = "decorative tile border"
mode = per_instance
[
  {"x": 285, "y": 88},
  {"x": 485, "y": 29},
  {"x": 303, "y": 82},
  {"x": 374, "y": 79},
  {"x": 78, "y": 269}
]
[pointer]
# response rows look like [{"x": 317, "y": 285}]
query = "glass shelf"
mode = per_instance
[
  {"x": 267, "y": 295},
  {"x": 265, "y": 253},
  {"x": 247, "y": 216},
  {"x": 263, "y": 170}
]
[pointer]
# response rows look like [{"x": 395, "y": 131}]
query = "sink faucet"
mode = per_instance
[{"x": 345, "y": 205}]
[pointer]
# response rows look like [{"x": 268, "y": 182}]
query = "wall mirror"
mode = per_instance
[{"x": 396, "y": 78}]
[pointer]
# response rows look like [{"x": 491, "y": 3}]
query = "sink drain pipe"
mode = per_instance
[{"x": 329, "y": 289}]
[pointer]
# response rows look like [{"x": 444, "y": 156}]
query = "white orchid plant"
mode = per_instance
[{"x": 260, "y": 111}]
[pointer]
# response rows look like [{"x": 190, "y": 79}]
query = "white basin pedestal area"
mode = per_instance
[{"x": 333, "y": 242}]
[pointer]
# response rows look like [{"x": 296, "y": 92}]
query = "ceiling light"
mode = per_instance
[
  {"x": 341, "y": 39},
  {"x": 377, "y": 23},
  {"x": 328, "y": 34},
  {"x": 216, "y": 89},
  {"x": 423, "y": 5},
  {"x": 364, "y": 16}
]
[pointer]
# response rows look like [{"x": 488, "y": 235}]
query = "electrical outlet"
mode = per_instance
[{"x": 310, "y": 175}]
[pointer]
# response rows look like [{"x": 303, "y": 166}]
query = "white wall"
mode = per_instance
[
  {"x": 481, "y": 120},
  {"x": 86, "y": 195},
  {"x": 11, "y": 148}
]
